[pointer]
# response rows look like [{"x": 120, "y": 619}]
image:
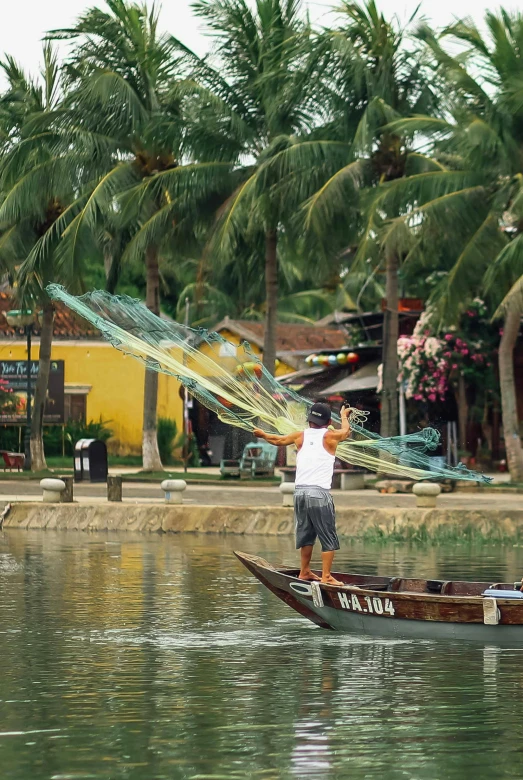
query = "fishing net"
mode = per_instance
[{"x": 230, "y": 380}]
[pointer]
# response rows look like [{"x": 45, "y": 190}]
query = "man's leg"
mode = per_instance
[
  {"x": 323, "y": 517},
  {"x": 305, "y": 536},
  {"x": 326, "y": 576},
  {"x": 305, "y": 571}
]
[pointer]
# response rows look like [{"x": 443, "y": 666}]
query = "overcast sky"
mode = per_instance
[{"x": 24, "y": 22}]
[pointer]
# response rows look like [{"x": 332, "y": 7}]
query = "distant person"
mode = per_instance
[{"x": 314, "y": 512}]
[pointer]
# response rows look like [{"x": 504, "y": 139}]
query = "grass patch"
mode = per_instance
[
  {"x": 24, "y": 476},
  {"x": 444, "y": 535},
  {"x": 59, "y": 461}
]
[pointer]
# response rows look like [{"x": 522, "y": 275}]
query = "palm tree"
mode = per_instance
[
  {"x": 256, "y": 106},
  {"x": 237, "y": 289},
  {"x": 375, "y": 77},
  {"x": 39, "y": 182},
  {"x": 123, "y": 98},
  {"x": 474, "y": 197}
]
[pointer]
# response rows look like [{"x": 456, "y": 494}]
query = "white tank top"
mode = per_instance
[{"x": 314, "y": 465}]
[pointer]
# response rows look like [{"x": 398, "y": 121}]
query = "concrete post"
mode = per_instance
[
  {"x": 173, "y": 489},
  {"x": 287, "y": 492},
  {"x": 52, "y": 490},
  {"x": 67, "y": 496},
  {"x": 352, "y": 480},
  {"x": 426, "y": 493},
  {"x": 114, "y": 488}
]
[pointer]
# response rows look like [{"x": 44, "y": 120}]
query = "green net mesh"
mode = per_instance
[{"x": 231, "y": 381}]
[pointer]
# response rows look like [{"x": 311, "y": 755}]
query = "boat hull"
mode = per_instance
[
  {"x": 398, "y": 628},
  {"x": 394, "y": 615}
]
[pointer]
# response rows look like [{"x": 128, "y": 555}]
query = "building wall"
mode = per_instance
[
  {"x": 281, "y": 368},
  {"x": 116, "y": 381}
]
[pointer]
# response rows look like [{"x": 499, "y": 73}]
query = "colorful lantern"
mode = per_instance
[
  {"x": 249, "y": 368},
  {"x": 341, "y": 357},
  {"x": 310, "y": 360},
  {"x": 324, "y": 360},
  {"x": 333, "y": 360},
  {"x": 352, "y": 357},
  {"x": 316, "y": 360},
  {"x": 253, "y": 368}
]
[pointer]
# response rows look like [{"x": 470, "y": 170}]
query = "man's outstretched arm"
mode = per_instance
[{"x": 279, "y": 441}]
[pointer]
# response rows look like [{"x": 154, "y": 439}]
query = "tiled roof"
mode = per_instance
[
  {"x": 290, "y": 337},
  {"x": 67, "y": 325}
]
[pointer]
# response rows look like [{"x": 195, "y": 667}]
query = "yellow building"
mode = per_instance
[{"x": 99, "y": 381}]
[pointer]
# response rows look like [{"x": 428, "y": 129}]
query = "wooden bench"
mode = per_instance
[
  {"x": 13, "y": 460},
  {"x": 258, "y": 459}
]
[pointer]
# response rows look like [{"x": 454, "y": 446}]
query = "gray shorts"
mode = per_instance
[{"x": 314, "y": 516}]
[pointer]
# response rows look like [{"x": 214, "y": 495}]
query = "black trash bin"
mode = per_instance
[{"x": 90, "y": 461}]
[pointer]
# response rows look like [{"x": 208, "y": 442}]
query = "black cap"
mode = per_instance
[{"x": 319, "y": 414}]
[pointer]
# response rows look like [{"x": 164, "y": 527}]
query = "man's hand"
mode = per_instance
[
  {"x": 259, "y": 433},
  {"x": 345, "y": 425},
  {"x": 333, "y": 438}
]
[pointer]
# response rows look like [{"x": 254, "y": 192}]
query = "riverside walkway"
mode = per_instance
[{"x": 226, "y": 494}]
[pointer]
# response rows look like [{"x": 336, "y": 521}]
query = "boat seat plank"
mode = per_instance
[
  {"x": 407, "y": 584},
  {"x": 457, "y": 588}
]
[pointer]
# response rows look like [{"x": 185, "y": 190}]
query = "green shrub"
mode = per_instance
[
  {"x": 55, "y": 438},
  {"x": 169, "y": 440},
  {"x": 10, "y": 438},
  {"x": 167, "y": 435},
  {"x": 58, "y": 440}
]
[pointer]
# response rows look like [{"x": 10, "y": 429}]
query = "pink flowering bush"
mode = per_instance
[
  {"x": 7, "y": 397},
  {"x": 429, "y": 365}
]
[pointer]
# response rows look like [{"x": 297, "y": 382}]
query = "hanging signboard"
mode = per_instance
[{"x": 13, "y": 391}]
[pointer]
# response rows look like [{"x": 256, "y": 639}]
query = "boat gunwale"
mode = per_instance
[
  {"x": 401, "y": 595},
  {"x": 405, "y": 594}
]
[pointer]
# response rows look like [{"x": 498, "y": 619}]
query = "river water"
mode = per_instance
[{"x": 128, "y": 657}]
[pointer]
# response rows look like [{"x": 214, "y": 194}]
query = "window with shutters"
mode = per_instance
[{"x": 75, "y": 407}]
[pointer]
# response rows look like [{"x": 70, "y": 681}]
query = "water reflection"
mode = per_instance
[{"x": 147, "y": 657}]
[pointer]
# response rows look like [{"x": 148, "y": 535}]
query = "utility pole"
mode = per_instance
[{"x": 186, "y": 422}]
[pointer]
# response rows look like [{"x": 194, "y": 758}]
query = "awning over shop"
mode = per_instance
[
  {"x": 300, "y": 379},
  {"x": 365, "y": 378}
]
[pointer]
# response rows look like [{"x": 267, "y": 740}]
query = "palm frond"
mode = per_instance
[
  {"x": 332, "y": 199},
  {"x": 465, "y": 279},
  {"x": 98, "y": 204}
]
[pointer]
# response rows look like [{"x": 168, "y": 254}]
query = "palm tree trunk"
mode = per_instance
[
  {"x": 508, "y": 394},
  {"x": 463, "y": 413},
  {"x": 389, "y": 393},
  {"x": 271, "y": 300},
  {"x": 150, "y": 452},
  {"x": 38, "y": 462}
]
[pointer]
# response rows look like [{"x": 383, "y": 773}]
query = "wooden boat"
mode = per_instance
[{"x": 399, "y": 607}]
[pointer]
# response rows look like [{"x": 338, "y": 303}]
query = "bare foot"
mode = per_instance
[
  {"x": 309, "y": 576},
  {"x": 330, "y": 580}
]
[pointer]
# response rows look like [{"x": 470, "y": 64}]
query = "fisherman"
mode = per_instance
[{"x": 314, "y": 513}]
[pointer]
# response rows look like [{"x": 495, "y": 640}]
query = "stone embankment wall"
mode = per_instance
[{"x": 392, "y": 523}]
